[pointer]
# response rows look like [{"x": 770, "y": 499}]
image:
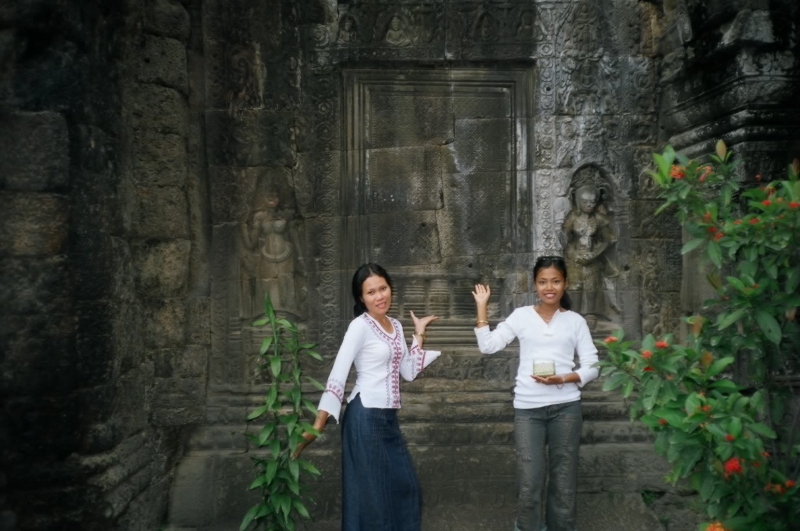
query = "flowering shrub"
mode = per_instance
[{"x": 735, "y": 439}]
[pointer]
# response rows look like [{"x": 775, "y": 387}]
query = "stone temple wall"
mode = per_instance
[
  {"x": 447, "y": 139},
  {"x": 104, "y": 327},
  {"x": 729, "y": 71},
  {"x": 164, "y": 164}
]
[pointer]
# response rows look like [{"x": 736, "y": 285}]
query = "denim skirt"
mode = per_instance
[{"x": 380, "y": 491}]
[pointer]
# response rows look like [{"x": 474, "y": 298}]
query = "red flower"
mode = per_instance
[
  {"x": 737, "y": 222},
  {"x": 790, "y": 484},
  {"x": 730, "y": 438},
  {"x": 766, "y": 202},
  {"x": 716, "y": 526},
  {"x": 718, "y": 236},
  {"x": 758, "y": 177},
  {"x": 663, "y": 422},
  {"x": 765, "y": 454},
  {"x": 755, "y": 221},
  {"x": 611, "y": 339},
  {"x": 794, "y": 204},
  {"x": 647, "y": 354},
  {"x": 707, "y": 217},
  {"x": 662, "y": 344},
  {"x": 776, "y": 488},
  {"x": 712, "y": 230},
  {"x": 706, "y": 172},
  {"x": 677, "y": 172},
  {"x": 648, "y": 369},
  {"x": 733, "y": 466},
  {"x": 706, "y": 409}
]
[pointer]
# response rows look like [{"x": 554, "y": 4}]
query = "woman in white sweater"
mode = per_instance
[
  {"x": 379, "y": 487},
  {"x": 547, "y": 406}
]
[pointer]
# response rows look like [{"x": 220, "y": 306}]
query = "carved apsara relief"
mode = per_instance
[
  {"x": 589, "y": 238},
  {"x": 272, "y": 261}
]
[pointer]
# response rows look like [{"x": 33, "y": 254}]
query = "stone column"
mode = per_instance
[{"x": 730, "y": 72}]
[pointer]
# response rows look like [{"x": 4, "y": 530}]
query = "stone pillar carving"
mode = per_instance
[
  {"x": 271, "y": 256},
  {"x": 589, "y": 238}
]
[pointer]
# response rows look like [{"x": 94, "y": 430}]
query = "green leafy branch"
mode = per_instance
[
  {"x": 723, "y": 428},
  {"x": 284, "y": 415}
]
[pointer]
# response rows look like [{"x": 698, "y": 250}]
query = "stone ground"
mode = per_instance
[
  {"x": 596, "y": 512},
  {"x": 460, "y": 435}
]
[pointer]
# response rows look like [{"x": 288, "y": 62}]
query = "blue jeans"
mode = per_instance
[
  {"x": 380, "y": 488},
  {"x": 559, "y": 428}
]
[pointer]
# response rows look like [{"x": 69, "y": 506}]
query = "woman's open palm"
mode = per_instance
[
  {"x": 481, "y": 294},
  {"x": 421, "y": 323}
]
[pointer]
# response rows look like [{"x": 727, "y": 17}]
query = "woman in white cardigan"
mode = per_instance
[
  {"x": 547, "y": 407},
  {"x": 379, "y": 487}
]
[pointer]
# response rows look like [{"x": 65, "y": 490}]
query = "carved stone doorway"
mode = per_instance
[{"x": 436, "y": 176}]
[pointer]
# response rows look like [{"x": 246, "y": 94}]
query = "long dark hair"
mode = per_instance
[
  {"x": 558, "y": 262},
  {"x": 362, "y": 274}
]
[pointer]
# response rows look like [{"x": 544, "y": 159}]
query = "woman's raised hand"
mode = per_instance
[
  {"x": 481, "y": 294},
  {"x": 421, "y": 323}
]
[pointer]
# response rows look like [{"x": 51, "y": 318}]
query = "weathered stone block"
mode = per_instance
[
  {"x": 177, "y": 363},
  {"x": 249, "y": 138},
  {"x": 163, "y": 62},
  {"x": 164, "y": 321},
  {"x": 147, "y": 510},
  {"x": 33, "y": 224},
  {"x": 130, "y": 403},
  {"x": 95, "y": 342},
  {"x": 193, "y": 364},
  {"x": 173, "y": 393},
  {"x": 645, "y": 224},
  {"x": 235, "y": 75},
  {"x": 159, "y": 212},
  {"x": 239, "y": 22},
  {"x": 324, "y": 242},
  {"x": 316, "y": 183},
  {"x": 481, "y": 145},
  {"x": 39, "y": 354},
  {"x": 168, "y": 18},
  {"x": 199, "y": 321},
  {"x": 35, "y": 153},
  {"x": 232, "y": 190},
  {"x": 193, "y": 497},
  {"x": 158, "y": 108},
  {"x": 469, "y": 200},
  {"x": 35, "y": 285},
  {"x": 405, "y": 179},
  {"x": 179, "y": 416},
  {"x": 401, "y": 120},
  {"x": 45, "y": 425},
  {"x": 162, "y": 267},
  {"x": 101, "y": 267},
  {"x": 158, "y": 158},
  {"x": 405, "y": 238},
  {"x": 95, "y": 197}
]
